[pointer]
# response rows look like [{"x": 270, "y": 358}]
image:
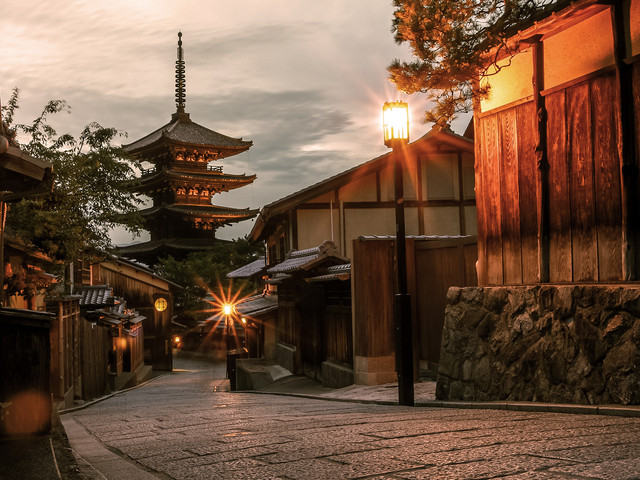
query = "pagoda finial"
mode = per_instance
[{"x": 180, "y": 78}]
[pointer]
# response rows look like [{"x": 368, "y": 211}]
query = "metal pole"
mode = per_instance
[{"x": 402, "y": 300}]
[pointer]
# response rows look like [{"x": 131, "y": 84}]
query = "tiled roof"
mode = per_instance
[
  {"x": 95, "y": 295},
  {"x": 210, "y": 210},
  {"x": 334, "y": 272},
  {"x": 297, "y": 259},
  {"x": 293, "y": 263},
  {"x": 182, "y": 130},
  {"x": 258, "y": 305},
  {"x": 278, "y": 278},
  {"x": 207, "y": 178},
  {"x": 249, "y": 270}
]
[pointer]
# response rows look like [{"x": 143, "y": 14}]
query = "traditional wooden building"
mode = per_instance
[
  {"x": 557, "y": 193},
  {"x": 181, "y": 182},
  {"x": 304, "y": 323},
  {"x": 439, "y": 200},
  {"x": 21, "y": 175},
  {"x": 316, "y": 318},
  {"x": 148, "y": 294}
]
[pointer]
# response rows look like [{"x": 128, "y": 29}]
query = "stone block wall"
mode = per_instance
[{"x": 566, "y": 343}]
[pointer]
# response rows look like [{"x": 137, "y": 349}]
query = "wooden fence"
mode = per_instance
[
  {"x": 584, "y": 186},
  {"x": 315, "y": 320},
  {"x": 433, "y": 265}
]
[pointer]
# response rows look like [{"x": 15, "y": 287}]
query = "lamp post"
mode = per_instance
[
  {"x": 227, "y": 309},
  {"x": 395, "y": 125}
]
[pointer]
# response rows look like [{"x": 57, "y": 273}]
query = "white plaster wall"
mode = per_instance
[
  {"x": 440, "y": 177},
  {"x": 635, "y": 27},
  {"x": 441, "y": 221},
  {"x": 314, "y": 227},
  {"x": 578, "y": 50},
  {"x": 510, "y": 83},
  {"x": 468, "y": 177},
  {"x": 471, "y": 220},
  {"x": 360, "y": 190},
  {"x": 387, "y": 186}
]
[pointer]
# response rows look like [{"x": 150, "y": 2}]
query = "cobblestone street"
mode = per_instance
[{"x": 182, "y": 426}]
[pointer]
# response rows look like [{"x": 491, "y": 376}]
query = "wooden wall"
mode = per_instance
[
  {"x": 441, "y": 264},
  {"x": 585, "y": 219},
  {"x": 372, "y": 280},
  {"x": 432, "y": 267},
  {"x": 338, "y": 331},
  {"x": 315, "y": 318},
  {"x": 96, "y": 343},
  {"x": 139, "y": 289}
]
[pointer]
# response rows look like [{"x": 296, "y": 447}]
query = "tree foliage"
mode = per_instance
[
  {"x": 453, "y": 43},
  {"x": 206, "y": 272},
  {"x": 88, "y": 198}
]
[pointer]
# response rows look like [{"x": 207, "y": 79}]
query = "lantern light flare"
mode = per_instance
[{"x": 395, "y": 123}]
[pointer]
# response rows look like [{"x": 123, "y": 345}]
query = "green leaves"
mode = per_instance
[
  {"x": 88, "y": 198},
  {"x": 204, "y": 272}
]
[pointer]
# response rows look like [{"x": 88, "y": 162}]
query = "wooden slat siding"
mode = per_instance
[
  {"x": 560, "y": 268},
  {"x": 581, "y": 180},
  {"x": 636, "y": 212},
  {"x": 491, "y": 200},
  {"x": 527, "y": 170},
  {"x": 607, "y": 178},
  {"x": 338, "y": 332},
  {"x": 95, "y": 359},
  {"x": 478, "y": 127},
  {"x": 442, "y": 264},
  {"x": 372, "y": 281},
  {"x": 509, "y": 198}
]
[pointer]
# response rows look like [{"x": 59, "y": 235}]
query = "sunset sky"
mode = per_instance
[{"x": 304, "y": 80}]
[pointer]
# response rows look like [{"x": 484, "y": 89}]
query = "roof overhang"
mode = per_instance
[{"x": 432, "y": 142}]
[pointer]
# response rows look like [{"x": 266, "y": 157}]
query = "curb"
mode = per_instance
[
  {"x": 608, "y": 410},
  {"x": 106, "y": 397}
]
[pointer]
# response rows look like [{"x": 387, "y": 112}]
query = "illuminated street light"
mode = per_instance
[{"x": 395, "y": 125}]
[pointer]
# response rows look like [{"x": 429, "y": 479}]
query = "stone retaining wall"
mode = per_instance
[{"x": 569, "y": 344}]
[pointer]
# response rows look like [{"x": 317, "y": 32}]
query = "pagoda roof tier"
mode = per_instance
[
  {"x": 149, "y": 252},
  {"x": 213, "y": 180},
  {"x": 224, "y": 214},
  {"x": 181, "y": 131}
]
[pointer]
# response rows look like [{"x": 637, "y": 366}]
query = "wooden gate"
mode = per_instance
[
  {"x": 439, "y": 265},
  {"x": 433, "y": 265}
]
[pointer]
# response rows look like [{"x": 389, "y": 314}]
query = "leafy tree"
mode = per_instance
[
  {"x": 206, "y": 272},
  {"x": 453, "y": 42},
  {"x": 88, "y": 198}
]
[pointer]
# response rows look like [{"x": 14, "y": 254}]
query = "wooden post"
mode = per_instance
[
  {"x": 542, "y": 183},
  {"x": 626, "y": 139}
]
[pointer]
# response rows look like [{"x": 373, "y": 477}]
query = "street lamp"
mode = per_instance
[
  {"x": 227, "y": 309},
  {"x": 395, "y": 125}
]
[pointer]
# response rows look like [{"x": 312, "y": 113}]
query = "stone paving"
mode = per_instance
[{"x": 183, "y": 426}]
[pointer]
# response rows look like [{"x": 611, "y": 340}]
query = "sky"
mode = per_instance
[{"x": 304, "y": 80}]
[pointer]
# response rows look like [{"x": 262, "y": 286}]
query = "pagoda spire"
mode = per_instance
[{"x": 181, "y": 94}]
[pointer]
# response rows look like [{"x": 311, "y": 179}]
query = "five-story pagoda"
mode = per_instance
[{"x": 181, "y": 183}]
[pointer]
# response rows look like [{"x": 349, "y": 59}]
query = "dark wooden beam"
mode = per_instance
[
  {"x": 542, "y": 180},
  {"x": 628, "y": 167}
]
